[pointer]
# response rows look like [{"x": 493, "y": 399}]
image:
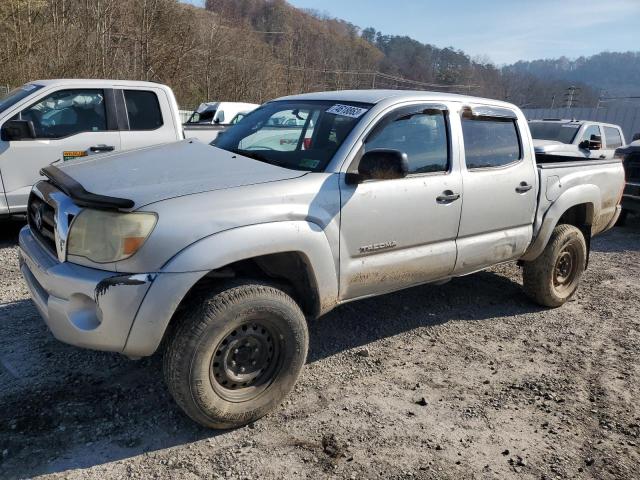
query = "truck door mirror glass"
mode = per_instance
[
  {"x": 381, "y": 164},
  {"x": 18, "y": 130}
]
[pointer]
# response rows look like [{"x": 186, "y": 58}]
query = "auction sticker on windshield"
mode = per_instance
[{"x": 347, "y": 111}]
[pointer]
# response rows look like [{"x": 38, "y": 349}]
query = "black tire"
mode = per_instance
[
  {"x": 553, "y": 277},
  {"x": 622, "y": 219},
  {"x": 236, "y": 354}
]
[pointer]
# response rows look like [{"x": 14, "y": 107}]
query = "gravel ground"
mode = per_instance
[{"x": 465, "y": 380}]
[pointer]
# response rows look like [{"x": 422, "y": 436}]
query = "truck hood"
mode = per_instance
[{"x": 159, "y": 173}]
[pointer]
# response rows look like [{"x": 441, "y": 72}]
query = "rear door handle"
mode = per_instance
[
  {"x": 102, "y": 148},
  {"x": 447, "y": 197},
  {"x": 524, "y": 187}
]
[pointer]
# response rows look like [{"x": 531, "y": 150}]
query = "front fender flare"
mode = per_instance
[{"x": 190, "y": 265}]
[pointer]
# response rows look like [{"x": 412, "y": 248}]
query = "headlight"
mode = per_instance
[{"x": 105, "y": 237}]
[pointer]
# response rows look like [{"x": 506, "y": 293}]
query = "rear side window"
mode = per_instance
[
  {"x": 612, "y": 137},
  {"x": 143, "y": 110},
  {"x": 422, "y": 135},
  {"x": 490, "y": 142}
]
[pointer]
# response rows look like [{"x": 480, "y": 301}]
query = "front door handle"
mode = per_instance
[
  {"x": 524, "y": 187},
  {"x": 447, "y": 197},
  {"x": 102, "y": 148}
]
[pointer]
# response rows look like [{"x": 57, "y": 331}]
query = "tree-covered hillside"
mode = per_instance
[{"x": 250, "y": 50}]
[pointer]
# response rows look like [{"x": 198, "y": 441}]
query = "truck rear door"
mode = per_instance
[
  {"x": 500, "y": 188},
  {"x": 69, "y": 123},
  {"x": 146, "y": 117},
  {"x": 611, "y": 140},
  {"x": 400, "y": 232}
]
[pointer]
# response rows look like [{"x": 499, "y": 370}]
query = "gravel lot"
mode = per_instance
[{"x": 465, "y": 380}]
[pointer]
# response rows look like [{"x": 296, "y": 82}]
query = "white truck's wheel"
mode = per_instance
[
  {"x": 236, "y": 354},
  {"x": 553, "y": 277}
]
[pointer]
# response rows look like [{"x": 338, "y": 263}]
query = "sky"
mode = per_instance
[{"x": 502, "y": 30}]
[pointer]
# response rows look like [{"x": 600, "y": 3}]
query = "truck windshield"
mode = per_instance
[
  {"x": 300, "y": 135},
  {"x": 17, "y": 95},
  {"x": 559, "y": 132}
]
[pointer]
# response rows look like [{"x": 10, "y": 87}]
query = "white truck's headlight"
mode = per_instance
[{"x": 104, "y": 237}]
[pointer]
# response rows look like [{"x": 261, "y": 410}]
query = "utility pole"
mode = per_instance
[{"x": 571, "y": 96}]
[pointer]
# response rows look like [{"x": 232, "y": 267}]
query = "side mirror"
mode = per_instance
[
  {"x": 380, "y": 164},
  {"x": 18, "y": 130},
  {"x": 595, "y": 143}
]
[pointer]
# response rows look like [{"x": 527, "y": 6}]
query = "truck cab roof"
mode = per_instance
[
  {"x": 378, "y": 96},
  {"x": 573, "y": 121},
  {"x": 96, "y": 82}
]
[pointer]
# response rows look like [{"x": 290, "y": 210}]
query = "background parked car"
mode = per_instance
[
  {"x": 576, "y": 138},
  {"x": 50, "y": 120},
  {"x": 631, "y": 195},
  {"x": 211, "y": 118}
]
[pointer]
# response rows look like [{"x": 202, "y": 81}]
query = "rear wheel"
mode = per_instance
[
  {"x": 553, "y": 277},
  {"x": 236, "y": 354}
]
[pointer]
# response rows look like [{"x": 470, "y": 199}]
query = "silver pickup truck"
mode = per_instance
[{"x": 223, "y": 258}]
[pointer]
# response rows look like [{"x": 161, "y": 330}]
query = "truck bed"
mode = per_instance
[
  {"x": 595, "y": 182},
  {"x": 204, "y": 133}
]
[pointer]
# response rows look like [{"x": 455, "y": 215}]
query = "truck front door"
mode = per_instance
[
  {"x": 583, "y": 138},
  {"x": 401, "y": 232},
  {"x": 500, "y": 181},
  {"x": 69, "y": 124}
]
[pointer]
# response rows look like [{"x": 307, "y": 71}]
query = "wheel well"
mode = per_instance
[
  {"x": 290, "y": 271},
  {"x": 581, "y": 217}
]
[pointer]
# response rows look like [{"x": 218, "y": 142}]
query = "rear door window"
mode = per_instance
[
  {"x": 143, "y": 110},
  {"x": 490, "y": 142},
  {"x": 612, "y": 137}
]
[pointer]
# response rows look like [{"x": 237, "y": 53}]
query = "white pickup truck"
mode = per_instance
[
  {"x": 576, "y": 138},
  {"x": 58, "y": 120},
  {"x": 212, "y": 118}
]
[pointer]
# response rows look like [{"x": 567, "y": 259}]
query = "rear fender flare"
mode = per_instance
[{"x": 579, "y": 195}]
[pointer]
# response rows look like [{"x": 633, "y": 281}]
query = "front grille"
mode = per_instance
[
  {"x": 41, "y": 218},
  {"x": 632, "y": 168}
]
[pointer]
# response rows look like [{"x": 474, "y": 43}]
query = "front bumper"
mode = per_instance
[{"x": 81, "y": 306}]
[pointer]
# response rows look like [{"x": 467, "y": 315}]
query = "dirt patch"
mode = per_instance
[{"x": 464, "y": 380}]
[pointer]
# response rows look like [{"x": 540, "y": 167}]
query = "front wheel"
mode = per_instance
[
  {"x": 236, "y": 354},
  {"x": 553, "y": 277}
]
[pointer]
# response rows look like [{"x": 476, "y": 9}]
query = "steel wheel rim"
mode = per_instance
[
  {"x": 246, "y": 361},
  {"x": 565, "y": 268}
]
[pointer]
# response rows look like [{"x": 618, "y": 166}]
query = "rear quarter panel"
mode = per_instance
[{"x": 598, "y": 184}]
